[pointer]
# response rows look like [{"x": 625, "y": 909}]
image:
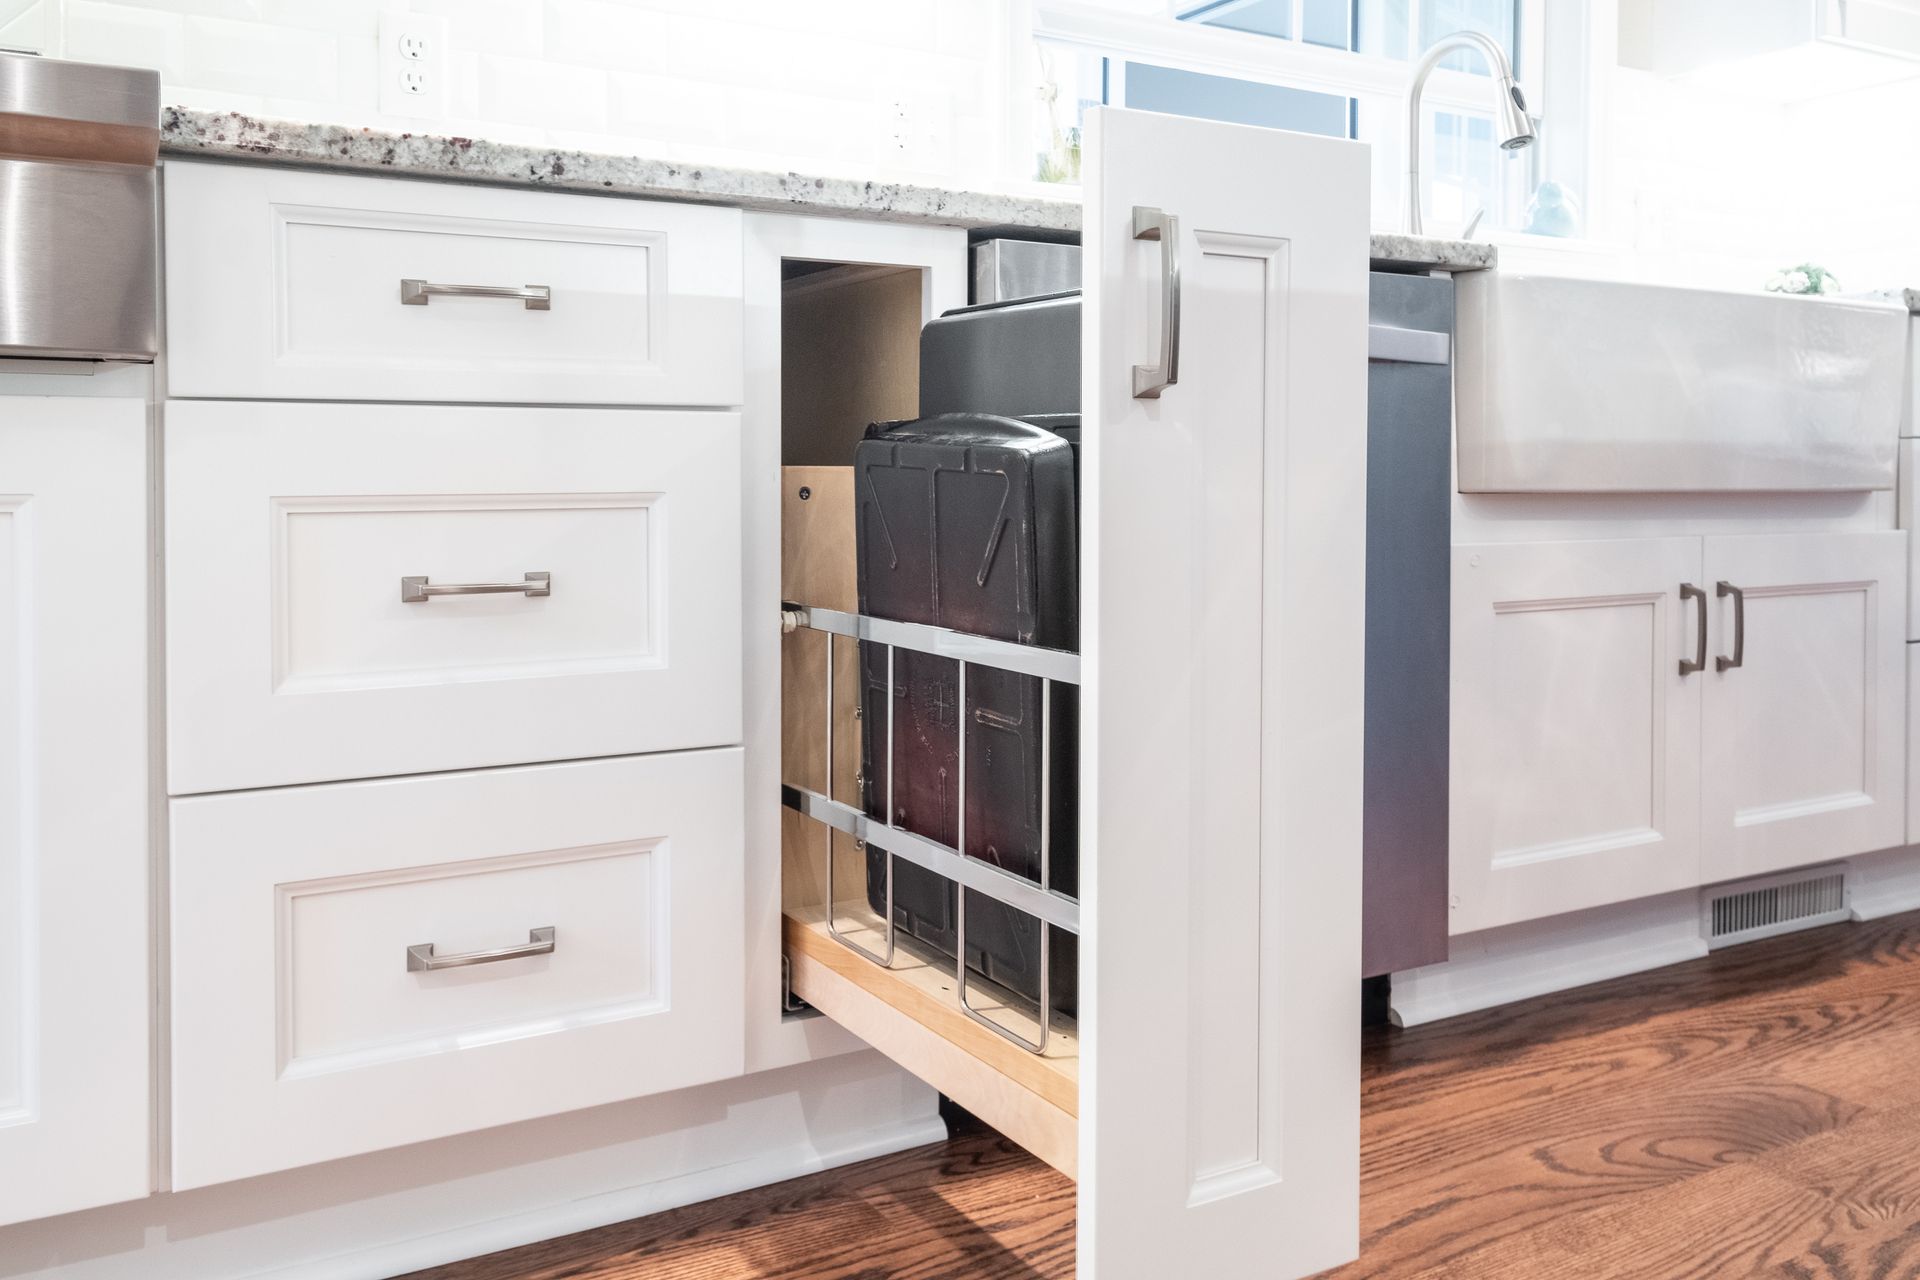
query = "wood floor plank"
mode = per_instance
[{"x": 1752, "y": 1113}]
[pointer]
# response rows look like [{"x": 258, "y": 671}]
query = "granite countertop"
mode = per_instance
[{"x": 232, "y": 135}]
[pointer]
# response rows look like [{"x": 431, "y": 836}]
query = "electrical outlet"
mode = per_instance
[{"x": 413, "y": 64}]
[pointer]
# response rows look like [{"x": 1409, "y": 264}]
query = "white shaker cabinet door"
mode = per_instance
[
  {"x": 1576, "y": 733},
  {"x": 1805, "y": 747},
  {"x": 73, "y": 804},
  {"x": 1223, "y": 583}
]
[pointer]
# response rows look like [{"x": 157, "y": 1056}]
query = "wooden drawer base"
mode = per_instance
[{"x": 910, "y": 1013}]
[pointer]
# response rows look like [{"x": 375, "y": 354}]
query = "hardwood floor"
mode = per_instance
[{"x": 1755, "y": 1113}]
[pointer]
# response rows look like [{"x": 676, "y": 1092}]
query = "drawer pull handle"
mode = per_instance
[
  {"x": 419, "y": 590},
  {"x": 420, "y": 957},
  {"x": 415, "y": 293}
]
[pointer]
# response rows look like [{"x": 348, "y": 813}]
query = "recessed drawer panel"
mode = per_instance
[
  {"x": 371, "y": 590},
  {"x": 367, "y": 964},
  {"x": 302, "y": 285}
]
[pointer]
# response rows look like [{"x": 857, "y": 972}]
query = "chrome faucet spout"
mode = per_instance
[{"x": 1516, "y": 129}]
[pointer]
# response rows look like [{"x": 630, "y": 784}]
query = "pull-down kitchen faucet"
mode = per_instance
[{"x": 1516, "y": 130}]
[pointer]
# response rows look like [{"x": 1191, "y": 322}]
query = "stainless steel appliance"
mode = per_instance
[
  {"x": 79, "y": 229},
  {"x": 1409, "y": 571},
  {"x": 1008, "y": 270}
]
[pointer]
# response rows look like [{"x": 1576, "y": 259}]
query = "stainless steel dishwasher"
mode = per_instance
[
  {"x": 79, "y": 228},
  {"x": 1409, "y": 557}
]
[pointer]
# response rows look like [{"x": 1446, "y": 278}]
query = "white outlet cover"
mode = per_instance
[{"x": 413, "y": 65}]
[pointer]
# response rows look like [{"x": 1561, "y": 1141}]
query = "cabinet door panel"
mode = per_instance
[
  {"x": 73, "y": 805},
  {"x": 1223, "y": 582},
  {"x": 1575, "y": 734},
  {"x": 1805, "y": 746}
]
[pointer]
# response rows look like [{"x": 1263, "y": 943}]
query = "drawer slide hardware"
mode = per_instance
[
  {"x": 1036, "y": 898},
  {"x": 421, "y": 959},
  {"x": 420, "y": 590},
  {"x": 416, "y": 293}
]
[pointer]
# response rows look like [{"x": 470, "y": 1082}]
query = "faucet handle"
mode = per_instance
[{"x": 1473, "y": 223}]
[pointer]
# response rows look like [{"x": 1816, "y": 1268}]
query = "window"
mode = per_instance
[{"x": 1337, "y": 67}]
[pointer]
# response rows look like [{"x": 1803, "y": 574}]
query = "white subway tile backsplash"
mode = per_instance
[
  {"x": 489, "y": 26},
  {"x": 880, "y": 88},
  {"x": 254, "y": 57},
  {"x": 128, "y": 36},
  {"x": 546, "y": 95},
  {"x": 25, "y": 25},
  {"x": 667, "y": 110}
]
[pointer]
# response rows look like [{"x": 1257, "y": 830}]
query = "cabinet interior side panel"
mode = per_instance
[
  {"x": 817, "y": 568},
  {"x": 850, "y": 357}
]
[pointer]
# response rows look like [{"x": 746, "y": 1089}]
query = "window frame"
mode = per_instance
[{"x": 1558, "y": 57}]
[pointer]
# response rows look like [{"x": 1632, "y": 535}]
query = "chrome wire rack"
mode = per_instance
[{"x": 1033, "y": 897}]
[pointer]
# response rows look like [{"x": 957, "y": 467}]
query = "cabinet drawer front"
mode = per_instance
[
  {"x": 308, "y": 545},
  {"x": 308, "y": 1023},
  {"x": 293, "y": 284}
]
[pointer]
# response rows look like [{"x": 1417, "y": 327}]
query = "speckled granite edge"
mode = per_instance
[
  {"x": 1460, "y": 255},
  {"x": 186, "y": 131},
  {"x": 233, "y": 135}
]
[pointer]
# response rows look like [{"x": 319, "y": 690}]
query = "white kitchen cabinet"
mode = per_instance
[
  {"x": 1618, "y": 733},
  {"x": 1575, "y": 757},
  {"x": 284, "y": 284},
  {"x": 938, "y": 257},
  {"x": 1804, "y": 748},
  {"x": 1909, "y": 520},
  {"x": 595, "y": 904},
  {"x": 1211, "y": 1112},
  {"x": 609, "y": 539},
  {"x": 1913, "y": 744},
  {"x": 74, "y": 925}
]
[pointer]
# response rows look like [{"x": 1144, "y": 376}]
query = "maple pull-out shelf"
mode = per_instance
[{"x": 910, "y": 1012}]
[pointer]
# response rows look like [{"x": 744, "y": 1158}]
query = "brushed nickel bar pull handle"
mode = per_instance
[
  {"x": 1149, "y": 380},
  {"x": 1739, "y": 658},
  {"x": 421, "y": 959},
  {"x": 416, "y": 293},
  {"x": 1699, "y": 663},
  {"x": 419, "y": 590}
]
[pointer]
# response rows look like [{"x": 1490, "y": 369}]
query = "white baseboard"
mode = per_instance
[
  {"x": 1539, "y": 957},
  {"x": 1884, "y": 884},
  {"x": 392, "y": 1212}
]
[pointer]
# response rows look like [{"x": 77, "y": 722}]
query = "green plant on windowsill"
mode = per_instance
[
  {"x": 1806, "y": 278},
  {"x": 1063, "y": 165}
]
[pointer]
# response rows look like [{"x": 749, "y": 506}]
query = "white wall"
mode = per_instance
[
  {"x": 1693, "y": 185},
  {"x": 882, "y": 88}
]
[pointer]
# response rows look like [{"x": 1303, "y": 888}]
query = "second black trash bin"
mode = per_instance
[{"x": 968, "y": 520}]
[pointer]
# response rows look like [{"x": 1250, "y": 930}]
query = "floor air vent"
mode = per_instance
[{"x": 1754, "y": 909}]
